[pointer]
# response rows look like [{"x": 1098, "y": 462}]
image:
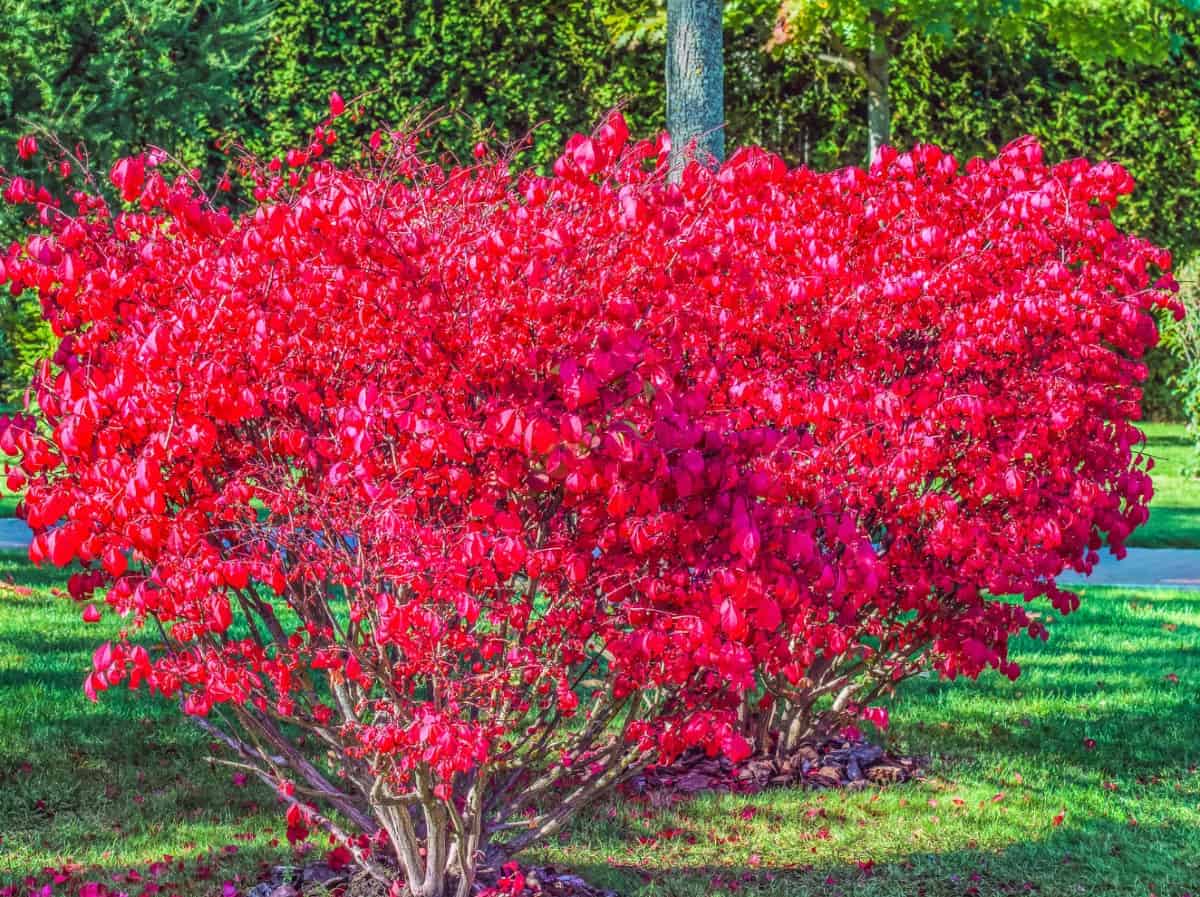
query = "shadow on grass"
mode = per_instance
[
  {"x": 1083, "y": 749},
  {"x": 1176, "y": 437},
  {"x": 201, "y": 870},
  {"x": 1087, "y": 858},
  {"x": 15, "y": 569},
  {"x": 66, "y": 646},
  {"x": 1168, "y": 528}
]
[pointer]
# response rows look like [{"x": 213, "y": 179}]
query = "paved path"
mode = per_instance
[
  {"x": 1176, "y": 568},
  {"x": 13, "y": 533}
]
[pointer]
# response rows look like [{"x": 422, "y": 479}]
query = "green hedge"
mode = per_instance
[{"x": 494, "y": 67}]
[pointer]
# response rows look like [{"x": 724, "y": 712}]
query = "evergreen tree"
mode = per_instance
[{"x": 105, "y": 79}]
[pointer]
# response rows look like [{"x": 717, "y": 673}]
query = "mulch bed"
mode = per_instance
[{"x": 835, "y": 763}]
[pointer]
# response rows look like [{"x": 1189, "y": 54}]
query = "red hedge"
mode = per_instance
[{"x": 426, "y": 462}]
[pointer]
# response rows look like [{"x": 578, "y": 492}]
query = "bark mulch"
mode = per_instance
[{"x": 834, "y": 763}]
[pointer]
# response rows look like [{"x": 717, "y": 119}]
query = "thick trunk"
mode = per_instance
[
  {"x": 695, "y": 81},
  {"x": 879, "y": 107}
]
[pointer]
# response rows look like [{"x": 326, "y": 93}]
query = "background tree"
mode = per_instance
[
  {"x": 862, "y": 36},
  {"x": 121, "y": 75},
  {"x": 492, "y": 69},
  {"x": 1182, "y": 340}
]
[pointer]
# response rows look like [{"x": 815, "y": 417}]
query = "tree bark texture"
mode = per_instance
[{"x": 695, "y": 82}]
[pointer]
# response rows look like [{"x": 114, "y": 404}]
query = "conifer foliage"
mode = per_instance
[{"x": 105, "y": 78}]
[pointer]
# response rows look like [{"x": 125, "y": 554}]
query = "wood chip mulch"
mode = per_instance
[{"x": 836, "y": 763}]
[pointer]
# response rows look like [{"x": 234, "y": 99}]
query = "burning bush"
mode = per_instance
[{"x": 449, "y": 496}]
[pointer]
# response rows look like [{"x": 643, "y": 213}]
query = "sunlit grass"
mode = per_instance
[
  {"x": 1006, "y": 759},
  {"x": 116, "y": 784},
  {"x": 1175, "y": 511}
]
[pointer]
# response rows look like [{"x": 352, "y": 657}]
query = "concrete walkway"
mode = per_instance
[
  {"x": 1174, "y": 568},
  {"x": 14, "y": 533}
]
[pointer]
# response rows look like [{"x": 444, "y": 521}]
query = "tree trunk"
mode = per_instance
[
  {"x": 695, "y": 81},
  {"x": 879, "y": 106}
]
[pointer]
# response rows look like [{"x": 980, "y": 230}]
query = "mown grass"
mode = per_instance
[
  {"x": 1005, "y": 760},
  {"x": 1175, "y": 511},
  {"x": 120, "y": 783},
  {"x": 116, "y": 784},
  {"x": 8, "y": 499}
]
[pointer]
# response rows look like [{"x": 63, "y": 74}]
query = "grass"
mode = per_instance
[
  {"x": 1175, "y": 511},
  {"x": 1006, "y": 759},
  {"x": 121, "y": 783},
  {"x": 8, "y": 501},
  {"x": 113, "y": 785}
]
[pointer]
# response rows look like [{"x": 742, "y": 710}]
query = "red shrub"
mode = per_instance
[{"x": 496, "y": 486}]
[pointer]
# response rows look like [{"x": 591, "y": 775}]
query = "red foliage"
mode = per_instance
[{"x": 427, "y": 462}]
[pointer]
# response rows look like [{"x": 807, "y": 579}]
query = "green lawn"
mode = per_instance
[
  {"x": 116, "y": 784},
  {"x": 8, "y": 502},
  {"x": 1007, "y": 758},
  {"x": 121, "y": 783},
  {"x": 1175, "y": 511}
]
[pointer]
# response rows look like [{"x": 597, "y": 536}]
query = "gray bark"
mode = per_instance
[
  {"x": 879, "y": 106},
  {"x": 695, "y": 81}
]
